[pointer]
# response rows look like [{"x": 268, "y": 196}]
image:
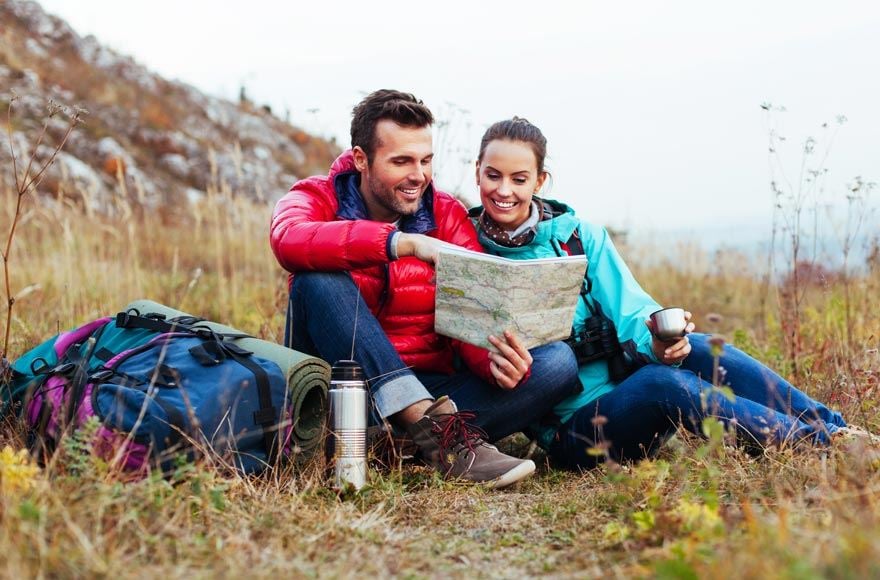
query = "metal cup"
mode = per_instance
[{"x": 669, "y": 323}]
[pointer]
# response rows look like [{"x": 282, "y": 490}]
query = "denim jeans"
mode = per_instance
[
  {"x": 646, "y": 408},
  {"x": 325, "y": 309}
]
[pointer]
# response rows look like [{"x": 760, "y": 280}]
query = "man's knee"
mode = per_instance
[{"x": 319, "y": 283}]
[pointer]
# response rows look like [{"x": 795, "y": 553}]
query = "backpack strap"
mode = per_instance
[
  {"x": 39, "y": 445},
  {"x": 77, "y": 373},
  {"x": 176, "y": 422},
  {"x": 266, "y": 417},
  {"x": 576, "y": 248},
  {"x": 157, "y": 323}
]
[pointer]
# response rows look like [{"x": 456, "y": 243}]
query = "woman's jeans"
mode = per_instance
[
  {"x": 646, "y": 408},
  {"x": 328, "y": 318}
]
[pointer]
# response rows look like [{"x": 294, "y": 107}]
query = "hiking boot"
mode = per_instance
[{"x": 458, "y": 449}]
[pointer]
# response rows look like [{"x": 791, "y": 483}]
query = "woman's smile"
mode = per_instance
[{"x": 504, "y": 205}]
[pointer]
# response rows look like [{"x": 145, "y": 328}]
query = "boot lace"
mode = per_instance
[{"x": 456, "y": 430}]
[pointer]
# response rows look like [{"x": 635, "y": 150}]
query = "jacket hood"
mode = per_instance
[
  {"x": 558, "y": 227},
  {"x": 346, "y": 184}
]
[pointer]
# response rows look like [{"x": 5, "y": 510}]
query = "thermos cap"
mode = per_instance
[{"x": 346, "y": 370}]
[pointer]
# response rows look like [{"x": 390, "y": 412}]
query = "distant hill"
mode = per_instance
[{"x": 167, "y": 139}]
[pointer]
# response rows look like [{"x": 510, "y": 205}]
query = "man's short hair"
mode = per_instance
[{"x": 402, "y": 108}]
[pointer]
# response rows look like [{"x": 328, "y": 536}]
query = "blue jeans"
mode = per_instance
[
  {"x": 325, "y": 309},
  {"x": 646, "y": 408}
]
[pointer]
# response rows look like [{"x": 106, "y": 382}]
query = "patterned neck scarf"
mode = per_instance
[{"x": 527, "y": 230}]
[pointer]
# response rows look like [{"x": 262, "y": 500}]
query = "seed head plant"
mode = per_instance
[{"x": 28, "y": 171}]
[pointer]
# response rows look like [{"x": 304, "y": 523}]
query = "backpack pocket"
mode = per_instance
[{"x": 136, "y": 412}]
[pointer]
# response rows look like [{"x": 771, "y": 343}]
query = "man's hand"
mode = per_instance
[
  {"x": 512, "y": 361},
  {"x": 676, "y": 350},
  {"x": 420, "y": 246}
]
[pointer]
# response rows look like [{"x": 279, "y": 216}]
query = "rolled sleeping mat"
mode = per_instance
[{"x": 307, "y": 377}]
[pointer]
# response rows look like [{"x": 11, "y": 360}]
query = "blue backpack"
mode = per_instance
[{"x": 159, "y": 389}]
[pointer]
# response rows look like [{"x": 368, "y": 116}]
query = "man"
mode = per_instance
[{"x": 360, "y": 244}]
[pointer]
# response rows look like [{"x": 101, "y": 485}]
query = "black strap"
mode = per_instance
[
  {"x": 104, "y": 354},
  {"x": 78, "y": 379},
  {"x": 267, "y": 416},
  {"x": 576, "y": 248},
  {"x": 574, "y": 243},
  {"x": 157, "y": 323},
  {"x": 176, "y": 421},
  {"x": 166, "y": 376},
  {"x": 39, "y": 445},
  {"x": 214, "y": 352}
]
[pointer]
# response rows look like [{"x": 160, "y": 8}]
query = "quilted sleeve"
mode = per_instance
[{"x": 305, "y": 234}]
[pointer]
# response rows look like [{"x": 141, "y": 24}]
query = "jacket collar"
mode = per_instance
[{"x": 346, "y": 183}]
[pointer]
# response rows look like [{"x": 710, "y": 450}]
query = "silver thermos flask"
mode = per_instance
[{"x": 346, "y": 444}]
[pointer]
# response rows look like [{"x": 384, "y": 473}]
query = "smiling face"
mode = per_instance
[
  {"x": 395, "y": 179},
  {"x": 508, "y": 177}
]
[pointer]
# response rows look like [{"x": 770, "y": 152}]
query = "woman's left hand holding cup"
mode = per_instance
[{"x": 671, "y": 352}]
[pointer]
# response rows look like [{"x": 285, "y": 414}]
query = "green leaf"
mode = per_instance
[
  {"x": 28, "y": 511},
  {"x": 644, "y": 520}
]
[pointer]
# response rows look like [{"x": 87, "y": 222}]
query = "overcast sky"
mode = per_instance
[{"x": 651, "y": 109}]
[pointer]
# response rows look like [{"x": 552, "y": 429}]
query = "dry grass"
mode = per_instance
[{"x": 700, "y": 509}]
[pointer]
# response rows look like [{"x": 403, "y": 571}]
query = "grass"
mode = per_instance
[{"x": 700, "y": 509}]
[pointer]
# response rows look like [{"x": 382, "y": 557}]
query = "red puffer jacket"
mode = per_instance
[{"x": 321, "y": 225}]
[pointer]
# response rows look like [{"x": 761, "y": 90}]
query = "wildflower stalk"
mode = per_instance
[
  {"x": 24, "y": 184},
  {"x": 792, "y": 199}
]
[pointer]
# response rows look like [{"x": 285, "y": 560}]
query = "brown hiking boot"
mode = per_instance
[{"x": 458, "y": 449}]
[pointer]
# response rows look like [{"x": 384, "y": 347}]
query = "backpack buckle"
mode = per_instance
[{"x": 101, "y": 376}]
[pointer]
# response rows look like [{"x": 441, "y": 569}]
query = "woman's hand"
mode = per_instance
[
  {"x": 420, "y": 246},
  {"x": 512, "y": 361},
  {"x": 676, "y": 350}
]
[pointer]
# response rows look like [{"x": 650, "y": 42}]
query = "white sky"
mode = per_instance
[{"x": 651, "y": 109}]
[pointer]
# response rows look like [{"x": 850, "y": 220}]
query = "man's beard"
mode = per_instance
[{"x": 388, "y": 199}]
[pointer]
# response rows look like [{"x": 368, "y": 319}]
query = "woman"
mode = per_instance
[{"x": 652, "y": 386}]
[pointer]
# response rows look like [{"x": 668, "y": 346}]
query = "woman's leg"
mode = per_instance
[
  {"x": 646, "y": 408},
  {"x": 752, "y": 380}
]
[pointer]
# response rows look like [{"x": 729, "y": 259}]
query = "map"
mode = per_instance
[{"x": 479, "y": 294}]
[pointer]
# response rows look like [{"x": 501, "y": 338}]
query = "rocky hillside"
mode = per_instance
[{"x": 165, "y": 139}]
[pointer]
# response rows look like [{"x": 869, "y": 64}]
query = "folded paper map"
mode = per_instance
[{"x": 479, "y": 294}]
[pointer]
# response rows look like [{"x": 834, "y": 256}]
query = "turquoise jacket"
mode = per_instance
[{"x": 613, "y": 287}]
